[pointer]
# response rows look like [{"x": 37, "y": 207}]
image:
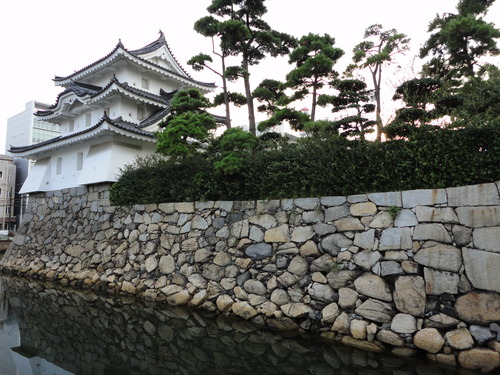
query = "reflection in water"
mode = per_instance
[{"x": 67, "y": 331}]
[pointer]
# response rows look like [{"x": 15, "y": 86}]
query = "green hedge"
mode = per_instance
[{"x": 321, "y": 167}]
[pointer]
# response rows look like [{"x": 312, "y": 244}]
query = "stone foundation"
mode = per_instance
[{"x": 398, "y": 272}]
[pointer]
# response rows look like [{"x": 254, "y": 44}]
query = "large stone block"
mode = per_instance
[
  {"x": 395, "y": 239},
  {"x": 377, "y": 311},
  {"x": 476, "y": 217},
  {"x": 386, "y": 199},
  {"x": 348, "y": 224},
  {"x": 478, "y": 308},
  {"x": 441, "y": 257},
  {"x": 374, "y": 286},
  {"x": 409, "y": 295},
  {"x": 482, "y": 269},
  {"x": 424, "y": 197},
  {"x": 431, "y": 232},
  {"x": 363, "y": 209},
  {"x": 429, "y": 339},
  {"x": 439, "y": 282},
  {"x": 473, "y": 195},
  {"x": 405, "y": 218},
  {"x": 265, "y": 221},
  {"x": 279, "y": 234},
  {"x": 436, "y": 215},
  {"x": 365, "y": 240},
  {"x": 487, "y": 239}
]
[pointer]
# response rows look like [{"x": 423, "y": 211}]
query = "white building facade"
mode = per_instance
[
  {"x": 107, "y": 114},
  {"x": 7, "y": 193}
]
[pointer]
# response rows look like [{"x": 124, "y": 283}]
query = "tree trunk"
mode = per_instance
[
  {"x": 248, "y": 92},
  {"x": 226, "y": 95},
  {"x": 376, "y": 75}
]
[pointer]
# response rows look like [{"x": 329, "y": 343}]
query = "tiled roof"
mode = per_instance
[
  {"x": 117, "y": 122},
  {"x": 81, "y": 89},
  {"x": 136, "y": 54}
]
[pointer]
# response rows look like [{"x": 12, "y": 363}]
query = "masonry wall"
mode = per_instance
[{"x": 400, "y": 271}]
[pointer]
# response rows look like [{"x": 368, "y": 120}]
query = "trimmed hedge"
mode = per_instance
[{"x": 321, "y": 167}]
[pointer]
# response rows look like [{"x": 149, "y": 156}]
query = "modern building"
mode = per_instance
[
  {"x": 25, "y": 129},
  {"x": 107, "y": 114},
  {"x": 7, "y": 193}
]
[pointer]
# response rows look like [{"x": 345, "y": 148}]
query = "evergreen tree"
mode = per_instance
[
  {"x": 379, "y": 47},
  {"x": 243, "y": 33},
  {"x": 314, "y": 58}
]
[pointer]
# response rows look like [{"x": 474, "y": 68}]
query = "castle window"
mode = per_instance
[
  {"x": 71, "y": 125},
  {"x": 79, "y": 161},
  {"x": 145, "y": 84},
  {"x": 88, "y": 119},
  {"x": 140, "y": 113},
  {"x": 59, "y": 165}
]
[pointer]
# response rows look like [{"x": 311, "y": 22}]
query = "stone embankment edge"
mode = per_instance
[{"x": 399, "y": 271}]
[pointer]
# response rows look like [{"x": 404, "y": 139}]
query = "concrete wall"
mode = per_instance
[{"x": 399, "y": 271}]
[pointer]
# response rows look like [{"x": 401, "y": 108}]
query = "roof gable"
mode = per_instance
[{"x": 156, "y": 57}]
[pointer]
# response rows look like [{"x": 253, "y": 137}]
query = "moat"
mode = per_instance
[{"x": 48, "y": 329}]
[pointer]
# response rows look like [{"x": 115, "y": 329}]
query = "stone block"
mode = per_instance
[
  {"x": 365, "y": 240},
  {"x": 423, "y": 197},
  {"x": 487, "y": 239},
  {"x": 478, "y": 307},
  {"x": 259, "y": 251},
  {"x": 405, "y": 218},
  {"x": 333, "y": 201},
  {"x": 279, "y": 234},
  {"x": 436, "y": 215},
  {"x": 459, "y": 339},
  {"x": 439, "y": 282},
  {"x": 473, "y": 195},
  {"x": 298, "y": 266},
  {"x": 312, "y": 217},
  {"x": 363, "y": 209},
  {"x": 371, "y": 285},
  {"x": 334, "y": 242},
  {"x": 382, "y": 220},
  {"x": 348, "y": 224},
  {"x": 396, "y": 239},
  {"x": 462, "y": 235},
  {"x": 386, "y": 199},
  {"x": 482, "y": 269},
  {"x": 337, "y": 212},
  {"x": 302, "y": 234},
  {"x": 404, "y": 323},
  {"x": 476, "y": 217},
  {"x": 265, "y": 221},
  {"x": 431, "y": 232},
  {"x": 348, "y": 298},
  {"x": 307, "y": 204},
  {"x": 377, "y": 311},
  {"x": 482, "y": 359},
  {"x": 390, "y": 268},
  {"x": 441, "y": 257},
  {"x": 367, "y": 259},
  {"x": 429, "y": 339},
  {"x": 409, "y": 295}
]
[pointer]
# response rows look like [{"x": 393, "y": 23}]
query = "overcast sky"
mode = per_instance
[{"x": 41, "y": 39}]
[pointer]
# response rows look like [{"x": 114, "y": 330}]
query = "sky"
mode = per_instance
[{"x": 42, "y": 39}]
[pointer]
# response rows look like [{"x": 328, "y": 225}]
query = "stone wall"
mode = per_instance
[{"x": 398, "y": 271}]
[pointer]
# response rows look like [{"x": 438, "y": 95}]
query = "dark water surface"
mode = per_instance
[{"x": 49, "y": 330}]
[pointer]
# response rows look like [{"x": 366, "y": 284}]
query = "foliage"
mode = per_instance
[
  {"x": 353, "y": 100},
  {"x": 321, "y": 165},
  {"x": 459, "y": 40},
  {"x": 314, "y": 58},
  {"x": 379, "y": 48},
  {"x": 187, "y": 126},
  {"x": 244, "y": 33},
  {"x": 236, "y": 146}
]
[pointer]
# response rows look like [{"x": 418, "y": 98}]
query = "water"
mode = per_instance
[{"x": 49, "y": 330}]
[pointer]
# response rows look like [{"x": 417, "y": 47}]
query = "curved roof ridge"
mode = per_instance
[
  {"x": 118, "y": 46},
  {"x": 118, "y": 123},
  {"x": 135, "y": 90}
]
